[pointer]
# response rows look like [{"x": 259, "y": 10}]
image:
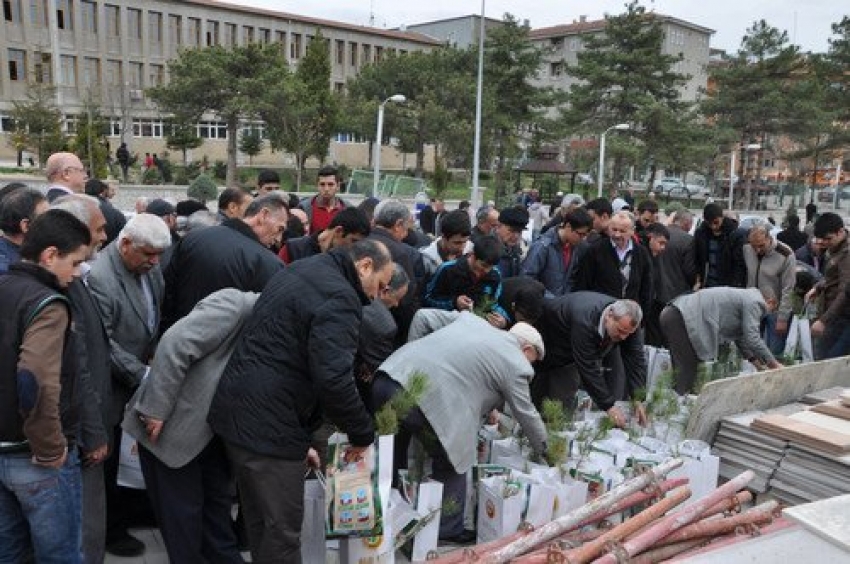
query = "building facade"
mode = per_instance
[
  {"x": 563, "y": 43},
  {"x": 109, "y": 51}
]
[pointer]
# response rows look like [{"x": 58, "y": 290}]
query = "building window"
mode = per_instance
[
  {"x": 194, "y": 39},
  {"x": 88, "y": 13},
  {"x": 114, "y": 76},
  {"x": 65, "y": 14},
  {"x": 134, "y": 23},
  {"x": 70, "y": 123},
  {"x": 352, "y": 51},
  {"x": 91, "y": 71},
  {"x": 265, "y": 36},
  {"x": 17, "y": 65},
  {"x": 147, "y": 128},
  {"x": 157, "y": 75},
  {"x": 38, "y": 13},
  {"x": 379, "y": 53},
  {"x": 7, "y": 124},
  {"x": 556, "y": 69},
  {"x": 340, "y": 52},
  {"x": 295, "y": 47},
  {"x": 175, "y": 30},
  {"x": 67, "y": 70},
  {"x": 367, "y": 54},
  {"x": 575, "y": 44},
  {"x": 113, "y": 21},
  {"x": 228, "y": 37},
  {"x": 155, "y": 28},
  {"x": 12, "y": 11},
  {"x": 135, "y": 75},
  {"x": 212, "y": 34},
  {"x": 248, "y": 34},
  {"x": 43, "y": 68},
  {"x": 339, "y": 87},
  {"x": 212, "y": 130}
]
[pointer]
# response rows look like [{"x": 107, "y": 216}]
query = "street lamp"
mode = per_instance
[
  {"x": 376, "y": 159},
  {"x": 618, "y": 127}
]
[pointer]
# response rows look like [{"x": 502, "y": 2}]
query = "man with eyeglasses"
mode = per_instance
[
  {"x": 66, "y": 175},
  {"x": 831, "y": 327},
  {"x": 553, "y": 257}
]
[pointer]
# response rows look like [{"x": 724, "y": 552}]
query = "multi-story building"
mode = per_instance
[
  {"x": 563, "y": 43},
  {"x": 461, "y": 32},
  {"x": 110, "y": 51}
]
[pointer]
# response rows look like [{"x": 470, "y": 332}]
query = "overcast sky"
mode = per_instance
[{"x": 808, "y": 23}]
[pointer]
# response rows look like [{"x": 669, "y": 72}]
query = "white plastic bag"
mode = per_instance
[
  {"x": 313, "y": 540},
  {"x": 129, "y": 469}
]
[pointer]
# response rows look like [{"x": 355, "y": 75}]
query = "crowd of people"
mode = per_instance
[{"x": 231, "y": 344}]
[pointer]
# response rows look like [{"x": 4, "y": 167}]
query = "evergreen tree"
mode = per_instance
[
  {"x": 514, "y": 105},
  {"x": 182, "y": 137},
  {"x": 88, "y": 140},
  {"x": 754, "y": 93},
  {"x": 299, "y": 109},
  {"x": 624, "y": 77},
  {"x": 251, "y": 143},
  {"x": 38, "y": 122},
  {"x": 227, "y": 82}
]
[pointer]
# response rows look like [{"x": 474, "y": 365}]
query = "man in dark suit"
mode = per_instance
[
  {"x": 65, "y": 175},
  {"x": 115, "y": 220},
  {"x": 128, "y": 288},
  {"x": 581, "y": 331},
  {"x": 234, "y": 254}
]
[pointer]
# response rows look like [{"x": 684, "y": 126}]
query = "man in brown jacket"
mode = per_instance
[{"x": 833, "y": 303}]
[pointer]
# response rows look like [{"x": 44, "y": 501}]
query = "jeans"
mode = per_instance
[
  {"x": 40, "y": 510},
  {"x": 774, "y": 341}
]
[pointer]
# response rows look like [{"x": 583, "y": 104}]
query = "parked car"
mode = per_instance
[{"x": 671, "y": 186}]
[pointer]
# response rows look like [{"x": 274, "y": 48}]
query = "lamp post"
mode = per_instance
[
  {"x": 376, "y": 159},
  {"x": 475, "y": 197},
  {"x": 618, "y": 127}
]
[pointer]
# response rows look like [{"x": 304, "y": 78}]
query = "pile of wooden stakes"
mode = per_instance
[{"x": 652, "y": 535}]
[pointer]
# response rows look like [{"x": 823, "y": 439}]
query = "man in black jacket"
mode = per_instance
[
  {"x": 580, "y": 332},
  {"x": 719, "y": 250},
  {"x": 791, "y": 235},
  {"x": 234, "y": 254},
  {"x": 617, "y": 265},
  {"x": 293, "y": 365},
  {"x": 346, "y": 228}
]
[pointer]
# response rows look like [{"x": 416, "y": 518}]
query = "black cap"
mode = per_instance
[
  {"x": 515, "y": 218},
  {"x": 185, "y": 208},
  {"x": 159, "y": 207}
]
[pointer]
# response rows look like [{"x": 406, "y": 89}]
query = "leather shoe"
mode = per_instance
[
  {"x": 125, "y": 545},
  {"x": 466, "y": 537}
]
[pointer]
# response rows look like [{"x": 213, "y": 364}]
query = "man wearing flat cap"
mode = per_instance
[
  {"x": 512, "y": 222},
  {"x": 463, "y": 386}
]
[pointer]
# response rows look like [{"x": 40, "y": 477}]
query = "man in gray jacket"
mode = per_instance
[
  {"x": 185, "y": 466},
  {"x": 464, "y": 385},
  {"x": 771, "y": 266},
  {"x": 695, "y": 325}
]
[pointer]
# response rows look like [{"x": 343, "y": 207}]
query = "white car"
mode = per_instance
[{"x": 670, "y": 186}]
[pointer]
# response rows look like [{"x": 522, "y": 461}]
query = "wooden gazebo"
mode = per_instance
[{"x": 545, "y": 163}]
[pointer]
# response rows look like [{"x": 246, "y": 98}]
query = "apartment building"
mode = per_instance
[
  {"x": 563, "y": 43},
  {"x": 110, "y": 51}
]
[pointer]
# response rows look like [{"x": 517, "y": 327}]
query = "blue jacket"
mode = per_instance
[
  {"x": 10, "y": 253},
  {"x": 545, "y": 262},
  {"x": 454, "y": 279}
]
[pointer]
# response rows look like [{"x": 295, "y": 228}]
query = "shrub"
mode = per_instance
[
  {"x": 220, "y": 169},
  {"x": 203, "y": 189},
  {"x": 151, "y": 176}
]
